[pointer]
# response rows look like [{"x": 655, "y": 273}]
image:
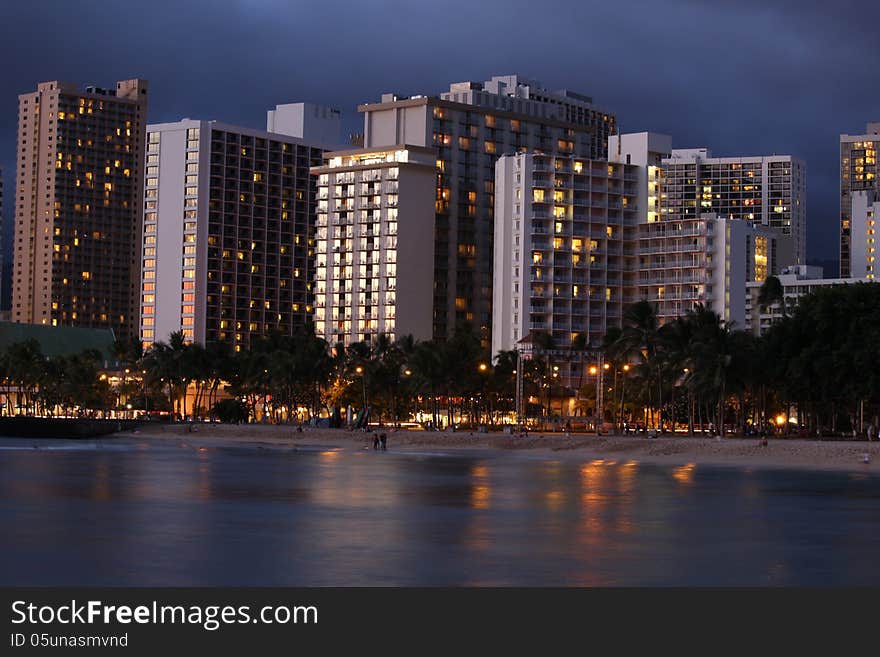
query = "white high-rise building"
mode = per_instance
[
  {"x": 858, "y": 172},
  {"x": 565, "y": 238},
  {"x": 374, "y": 244},
  {"x": 706, "y": 260},
  {"x": 228, "y": 233},
  {"x": 864, "y": 212}
]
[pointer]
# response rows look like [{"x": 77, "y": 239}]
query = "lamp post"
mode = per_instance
[
  {"x": 146, "y": 399},
  {"x": 360, "y": 370},
  {"x": 620, "y": 409},
  {"x": 594, "y": 371},
  {"x": 482, "y": 368}
]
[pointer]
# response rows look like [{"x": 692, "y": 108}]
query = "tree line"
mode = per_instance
[{"x": 819, "y": 364}]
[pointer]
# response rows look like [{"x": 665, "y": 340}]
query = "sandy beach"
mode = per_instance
[{"x": 679, "y": 450}]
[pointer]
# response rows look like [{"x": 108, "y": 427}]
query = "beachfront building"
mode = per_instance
[
  {"x": 471, "y": 126},
  {"x": 374, "y": 252},
  {"x": 864, "y": 213},
  {"x": 705, "y": 260},
  {"x": 79, "y": 186},
  {"x": 858, "y": 172},
  {"x": 763, "y": 190},
  {"x": 565, "y": 258},
  {"x": 228, "y": 233},
  {"x": 796, "y": 282}
]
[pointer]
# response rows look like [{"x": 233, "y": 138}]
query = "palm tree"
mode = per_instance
[
  {"x": 772, "y": 292},
  {"x": 640, "y": 338}
]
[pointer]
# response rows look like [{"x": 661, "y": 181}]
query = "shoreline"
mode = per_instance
[{"x": 780, "y": 453}]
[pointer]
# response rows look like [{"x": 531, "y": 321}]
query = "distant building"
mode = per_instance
[
  {"x": 864, "y": 212},
  {"x": 858, "y": 172},
  {"x": 763, "y": 190},
  {"x": 471, "y": 126},
  {"x": 317, "y": 124},
  {"x": 796, "y": 282},
  {"x": 228, "y": 223},
  {"x": 374, "y": 263},
  {"x": 78, "y": 220}
]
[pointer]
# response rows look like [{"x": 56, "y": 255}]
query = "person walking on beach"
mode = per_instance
[
  {"x": 383, "y": 439},
  {"x": 375, "y": 440}
]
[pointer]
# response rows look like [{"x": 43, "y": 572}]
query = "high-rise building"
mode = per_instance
[
  {"x": 858, "y": 172},
  {"x": 472, "y": 125},
  {"x": 565, "y": 240},
  {"x": 78, "y": 216},
  {"x": 705, "y": 260},
  {"x": 766, "y": 190},
  {"x": 578, "y": 240},
  {"x": 374, "y": 262},
  {"x": 864, "y": 214},
  {"x": 228, "y": 233}
]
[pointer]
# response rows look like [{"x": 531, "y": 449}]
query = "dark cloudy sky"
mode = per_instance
[{"x": 743, "y": 78}]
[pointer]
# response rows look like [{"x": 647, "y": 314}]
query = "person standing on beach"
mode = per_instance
[{"x": 383, "y": 439}]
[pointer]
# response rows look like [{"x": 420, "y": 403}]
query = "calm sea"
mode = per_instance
[{"x": 167, "y": 515}]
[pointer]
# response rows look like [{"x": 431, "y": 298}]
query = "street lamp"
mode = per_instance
[
  {"x": 620, "y": 410},
  {"x": 360, "y": 370},
  {"x": 146, "y": 399}
]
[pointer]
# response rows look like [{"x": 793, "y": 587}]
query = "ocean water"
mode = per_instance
[{"x": 163, "y": 514}]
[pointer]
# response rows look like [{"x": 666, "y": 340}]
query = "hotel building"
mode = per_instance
[
  {"x": 865, "y": 211},
  {"x": 471, "y": 126},
  {"x": 858, "y": 172},
  {"x": 578, "y": 240},
  {"x": 705, "y": 260},
  {"x": 374, "y": 263},
  {"x": 79, "y": 190},
  {"x": 763, "y": 190},
  {"x": 565, "y": 239},
  {"x": 228, "y": 233}
]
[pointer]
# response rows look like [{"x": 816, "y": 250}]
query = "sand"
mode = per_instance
[{"x": 678, "y": 450}]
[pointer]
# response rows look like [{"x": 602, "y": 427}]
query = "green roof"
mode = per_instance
[{"x": 60, "y": 340}]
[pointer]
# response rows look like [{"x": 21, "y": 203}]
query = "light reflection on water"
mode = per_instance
[{"x": 145, "y": 514}]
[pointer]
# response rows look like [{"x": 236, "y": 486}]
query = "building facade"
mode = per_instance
[
  {"x": 228, "y": 233},
  {"x": 564, "y": 250},
  {"x": 864, "y": 212},
  {"x": 858, "y": 172},
  {"x": 374, "y": 262},
  {"x": 796, "y": 282},
  {"x": 707, "y": 260},
  {"x": 79, "y": 187},
  {"x": 763, "y": 190},
  {"x": 471, "y": 126}
]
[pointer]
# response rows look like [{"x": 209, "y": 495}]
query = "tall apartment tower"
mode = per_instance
[
  {"x": 228, "y": 233},
  {"x": 78, "y": 210},
  {"x": 471, "y": 126},
  {"x": 765, "y": 190},
  {"x": 858, "y": 172},
  {"x": 565, "y": 249},
  {"x": 865, "y": 212},
  {"x": 374, "y": 272}
]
